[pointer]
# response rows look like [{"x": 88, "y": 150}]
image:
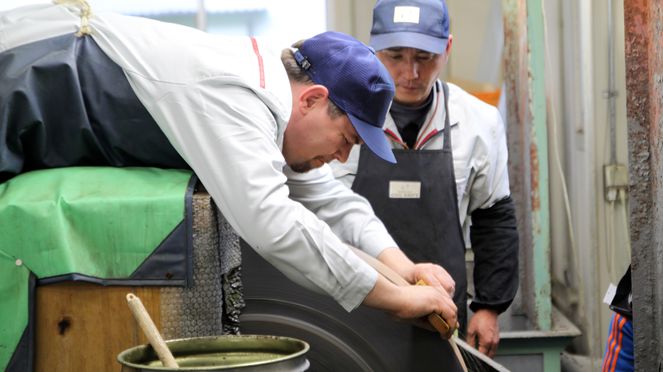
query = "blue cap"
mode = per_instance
[
  {"x": 420, "y": 24},
  {"x": 357, "y": 82}
]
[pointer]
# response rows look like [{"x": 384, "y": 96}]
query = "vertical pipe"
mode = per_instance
[
  {"x": 201, "y": 16},
  {"x": 515, "y": 90},
  {"x": 643, "y": 20},
  {"x": 611, "y": 94},
  {"x": 528, "y": 151},
  {"x": 539, "y": 159},
  {"x": 578, "y": 293}
]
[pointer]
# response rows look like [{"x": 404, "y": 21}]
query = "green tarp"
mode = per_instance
[{"x": 97, "y": 222}]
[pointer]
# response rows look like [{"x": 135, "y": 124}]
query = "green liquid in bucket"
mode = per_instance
[{"x": 222, "y": 359}]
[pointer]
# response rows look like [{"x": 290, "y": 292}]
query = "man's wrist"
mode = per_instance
[
  {"x": 486, "y": 310},
  {"x": 398, "y": 261},
  {"x": 498, "y": 308}
]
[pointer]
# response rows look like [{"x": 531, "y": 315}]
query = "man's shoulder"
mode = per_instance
[
  {"x": 460, "y": 96},
  {"x": 467, "y": 109}
]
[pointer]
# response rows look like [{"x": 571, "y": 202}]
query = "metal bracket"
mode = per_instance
[{"x": 615, "y": 178}]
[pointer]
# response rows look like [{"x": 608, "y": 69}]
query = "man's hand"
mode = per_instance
[
  {"x": 434, "y": 276},
  {"x": 483, "y": 331},
  {"x": 411, "y": 301}
]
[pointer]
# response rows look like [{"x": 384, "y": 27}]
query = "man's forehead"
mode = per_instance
[{"x": 408, "y": 49}]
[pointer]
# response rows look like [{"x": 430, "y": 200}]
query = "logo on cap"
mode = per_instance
[{"x": 406, "y": 14}]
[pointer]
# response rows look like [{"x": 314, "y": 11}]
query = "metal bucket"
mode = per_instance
[{"x": 222, "y": 353}]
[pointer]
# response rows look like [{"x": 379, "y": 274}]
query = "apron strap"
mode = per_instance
[{"x": 446, "y": 146}]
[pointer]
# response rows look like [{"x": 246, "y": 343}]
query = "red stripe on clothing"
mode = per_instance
[
  {"x": 607, "y": 359},
  {"x": 395, "y": 137},
  {"x": 425, "y": 139},
  {"x": 618, "y": 349},
  {"x": 254, "y": 42},
  {"x": 420, "y": 143}
]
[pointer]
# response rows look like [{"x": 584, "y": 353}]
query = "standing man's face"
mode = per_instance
[{"x": 414, "y": 72}]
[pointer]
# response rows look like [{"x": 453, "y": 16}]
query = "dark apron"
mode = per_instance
[{"x": 425, "y": 224}]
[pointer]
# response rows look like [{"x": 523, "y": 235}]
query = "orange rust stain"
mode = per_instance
[{"x": 534, "y": 177}]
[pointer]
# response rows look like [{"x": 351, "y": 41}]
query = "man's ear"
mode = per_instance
[
  {"x": 311, "y": 96},
  {"x": 448, "y": 49}
]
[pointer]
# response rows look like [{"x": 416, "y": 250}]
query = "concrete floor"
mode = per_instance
[{"x": 579, "y": 363}]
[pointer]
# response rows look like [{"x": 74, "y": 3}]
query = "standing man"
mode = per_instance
[
  {"x": 451, "y": 174},
  {"x": 257, "y": 128}
]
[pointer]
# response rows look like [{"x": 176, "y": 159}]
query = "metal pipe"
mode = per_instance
[
  {"x": 644, "y": 108},
  {"x": 611, "y": 94},
  {"x": 201, "y": 16}
]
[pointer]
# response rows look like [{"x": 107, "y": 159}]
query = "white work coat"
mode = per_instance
[
  {"x": 478, "y": 143},
  {"x": 224, "y": 104}
]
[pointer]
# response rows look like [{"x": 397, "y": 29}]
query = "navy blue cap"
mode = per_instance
[
  {"x": 420, "y": 24},
  {"x": 357, "y": 82}
]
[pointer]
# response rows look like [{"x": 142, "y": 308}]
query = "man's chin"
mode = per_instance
[
  {"x": 301, "y": 167},
  {"x": 306, "y": 166},
  {"x": 410, "y": 98}
]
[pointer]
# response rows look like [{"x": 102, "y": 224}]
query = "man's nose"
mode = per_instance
[
  {"x": 411, "y": 70},
  {"x": 343, "y": 153}
]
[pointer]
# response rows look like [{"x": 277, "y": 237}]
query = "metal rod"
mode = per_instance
[
  {"x": 201, "y": 16},
  {"x": 612, "y": 93}
]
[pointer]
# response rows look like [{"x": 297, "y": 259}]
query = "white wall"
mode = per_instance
[{"x": 476, "y": 54}]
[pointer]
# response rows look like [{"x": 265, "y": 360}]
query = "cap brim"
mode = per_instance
[
  {"x": 374, "y": 138},
  {"x": 409, "y": 40}
]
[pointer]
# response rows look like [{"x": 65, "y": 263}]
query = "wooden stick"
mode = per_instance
[
  {"x": 150, "y": 330},
  {"x": 435, "y": 319}
]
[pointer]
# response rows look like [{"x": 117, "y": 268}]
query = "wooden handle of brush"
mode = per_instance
[
  {"x": 438, "y": 322},
  {"x": 435, "y": 320},
  {"x": 150, "y": 330}
]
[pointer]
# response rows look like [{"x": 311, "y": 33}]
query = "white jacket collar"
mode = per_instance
[{"x": 434, "y": 122}]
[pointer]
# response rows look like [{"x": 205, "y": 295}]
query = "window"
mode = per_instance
[{"x": 282, "y": 22}]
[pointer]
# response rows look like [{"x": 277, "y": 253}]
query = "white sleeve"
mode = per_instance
[
  {"x": 491, "y": 183},
  {"x": 228, "y": 136},
  {"x": 349, "y": 214}
]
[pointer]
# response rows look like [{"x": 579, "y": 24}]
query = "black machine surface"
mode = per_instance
[{"x": 363, "y": 340}]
